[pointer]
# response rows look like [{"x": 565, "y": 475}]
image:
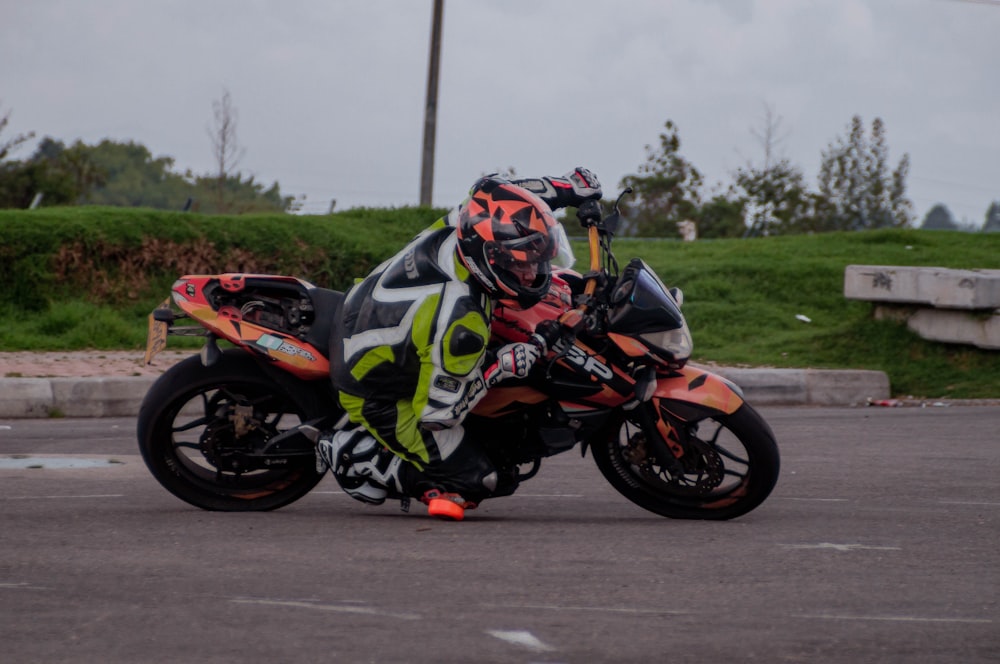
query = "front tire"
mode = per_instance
[
  {"x": 729, "y": 467},
  {"x": 198, "y": 427}
]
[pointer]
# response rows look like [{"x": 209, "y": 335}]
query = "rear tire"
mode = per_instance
[
  {"x": 730, "y": 466},
  {"x": 197, "y": 426}
]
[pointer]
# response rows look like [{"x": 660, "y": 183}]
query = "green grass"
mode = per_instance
[{"x": 741, "y": 296}]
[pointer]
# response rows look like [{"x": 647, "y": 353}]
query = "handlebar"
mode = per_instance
[{"x": 589, "y": 213}]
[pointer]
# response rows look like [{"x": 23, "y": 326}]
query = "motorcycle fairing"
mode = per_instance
[
  {"x": 501, "y": 400},
  {"x": 228, "y": 322},
  {"x": 513, "y": 324},
  {"x": 690, "y": 386}
]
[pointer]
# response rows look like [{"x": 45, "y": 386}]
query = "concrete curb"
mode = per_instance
[
  {"x": 121, "y": 397},
  {"x": 808, "y": 387},
  {"x": 72, "y": 397}
]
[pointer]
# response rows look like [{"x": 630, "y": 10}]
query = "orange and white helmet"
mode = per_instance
[{"x": 507, "y": 238}]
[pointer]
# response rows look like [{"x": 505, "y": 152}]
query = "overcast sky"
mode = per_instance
[{"x": 330, "y": 94}]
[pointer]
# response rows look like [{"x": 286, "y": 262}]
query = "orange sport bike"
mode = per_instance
[{"x": 236, "y": 429}]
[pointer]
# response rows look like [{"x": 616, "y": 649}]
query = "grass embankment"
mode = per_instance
[{"x": 81, "y": 278}]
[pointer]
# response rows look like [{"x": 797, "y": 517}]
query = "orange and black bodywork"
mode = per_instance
[
  {"x": 593, "y": 373},
  {"x": 284, "y": 319}
]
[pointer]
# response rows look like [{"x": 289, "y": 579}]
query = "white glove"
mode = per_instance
[
  {"x": 585, "y": 185},
  {"x": 513, "y": 361}
]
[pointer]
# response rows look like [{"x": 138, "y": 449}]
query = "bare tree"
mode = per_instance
[
  {"x": 9, "y": 145},
  {"x": 770, "y": 136},
  {"x": 225, "y": 145}
]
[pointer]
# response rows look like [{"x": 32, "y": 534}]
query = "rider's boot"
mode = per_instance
[{"x": 363, "y": 467}]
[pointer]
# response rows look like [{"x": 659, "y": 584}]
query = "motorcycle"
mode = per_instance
[{"x": 236, "y": 429}]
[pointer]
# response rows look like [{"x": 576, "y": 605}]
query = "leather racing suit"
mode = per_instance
[{"x": 410, "y": 353}]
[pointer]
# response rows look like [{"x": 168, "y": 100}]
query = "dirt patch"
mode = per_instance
[{"x": 84, "y": 364}]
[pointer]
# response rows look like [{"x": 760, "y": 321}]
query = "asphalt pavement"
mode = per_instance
[{"x": 878, "y": 544}]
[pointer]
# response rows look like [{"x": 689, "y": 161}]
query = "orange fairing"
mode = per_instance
[
  {"x": 295, "y": 355},
  {"x": 699, "y": 387},
  {"x": 513, "y": 324},
  {"x": 501, "y": 400},
  {"x": 629, "y": 345}
]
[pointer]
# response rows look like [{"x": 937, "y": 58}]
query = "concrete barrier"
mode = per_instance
[
  {"x": 937, "y": 287},
  {"x": 938, "y": 304}
]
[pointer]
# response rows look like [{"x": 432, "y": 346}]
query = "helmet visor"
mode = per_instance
[
  {"x": 564, "y": 254},
  {"x": 534, "y": 248},
  {"x": 524, "y": 262}
]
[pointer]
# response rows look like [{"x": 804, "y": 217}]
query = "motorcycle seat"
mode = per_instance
[{"x": 326, "y": 308}]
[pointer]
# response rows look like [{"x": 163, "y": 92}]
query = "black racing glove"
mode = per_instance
[{"x": 571, "y": 190}]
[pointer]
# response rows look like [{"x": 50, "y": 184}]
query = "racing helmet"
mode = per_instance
[{"x": 507, "y": 239}]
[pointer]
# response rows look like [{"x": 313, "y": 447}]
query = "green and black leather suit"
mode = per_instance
[
  {"x": 410, "y": 349},
  {"x": 409, "y": 366}
]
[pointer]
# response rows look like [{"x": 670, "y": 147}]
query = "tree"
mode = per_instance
[
  {"x": 772, "y": 198},
  {"x": 769, "y": 136},
  {"x": 887, "y": 194},
  {"x": 855, "y": 181},
  {"x": 666, "y": 190},
  {"x": 127, "y": 175},
  {"x": 20, "y": 182},
  {"x": 777, "y": 201},
  {"x": 240, "y": 196},
  {"x": 132, "y": 177},
  {"x": 939, "y": 218},
  {"x": 226, "y": 147},
  {"x": 992, "y": 223},
  {"x": 721, "y": 216},
  {"x": 78, "y": 164},
  {"x": 9, "y": 145},
  {"x": 43, "y": 173}
]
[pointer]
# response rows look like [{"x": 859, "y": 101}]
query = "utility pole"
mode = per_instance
[{"x": 430, "y": 110}]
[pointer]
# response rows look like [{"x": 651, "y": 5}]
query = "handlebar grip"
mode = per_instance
[
  {"x": 547, "y": 333},
  {"x": 589, "y": 212}
]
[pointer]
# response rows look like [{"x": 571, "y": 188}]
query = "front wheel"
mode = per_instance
[
  {"x": 728, "y": 467},
  {"x": 201, "y": 429}
]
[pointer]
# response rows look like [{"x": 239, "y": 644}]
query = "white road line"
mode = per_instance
[
  {"x": 596, "y": 609},
  {"x": 336, "y": 608},
  {"x": 53, "y": 462},
  {"x": 92, "y": 495},
  {"x": 549, "y": 495},
  {"x": 812, "y": 500},
  {"x": 842, "y": 547},
  {"x": 521, "y": 638},
  {"x": 968, "y": 502},
  {"x": 916, "y": 619},
  {"x": 810, "y": 616}
]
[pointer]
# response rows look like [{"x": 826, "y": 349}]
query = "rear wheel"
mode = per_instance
[
  {"x": 729, "y": 465},
  {"x": 201, "y": 429}
]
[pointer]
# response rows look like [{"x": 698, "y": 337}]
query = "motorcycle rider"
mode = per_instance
[{"x": 409, "y": 354}]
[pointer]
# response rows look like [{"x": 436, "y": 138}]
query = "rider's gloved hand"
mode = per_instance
[
  {"x": 571, "y": 190},
  {"x": 584, "y": 184},
  {"x": 513, "y": 361}
]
